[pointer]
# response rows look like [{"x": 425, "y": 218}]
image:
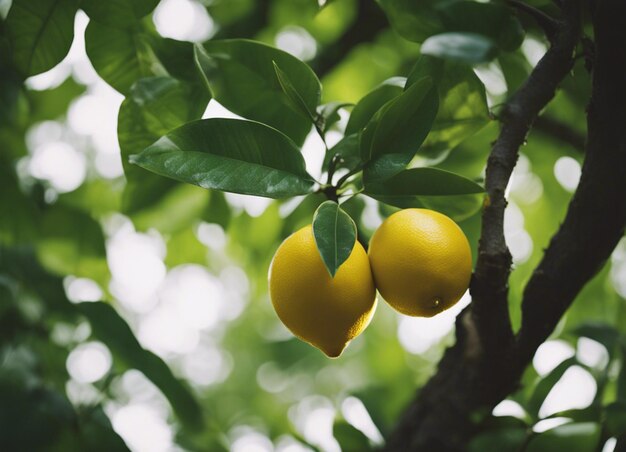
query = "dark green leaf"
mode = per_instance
[
  {"x": 576, "y": 437},
  {"x": 292, "y": 93},
  {"x": 372, "y": 102},
  {"x": 615, "y": 415},
  {"x": 155, "y": 106},
  {"x": 335, "y": 235},
  {"x": 110, "y": 328},
  {"x": 241, "y": 76},
  {"x": 545, "y": 385},
  {"x": 423, "y": 182},
  {"x": 350, "y": 438},
  {"x": 492, "y": 20},
  {"x": 428, "y": 188},
  {"x": 41, "y": 33},
  {"x": 510, "y": 438},
  {"x": 230, "y": 155},
  {"x": 463, "y": 47},
  {"x": 118, "y": 13},
  {"x": 53, "y": 103},
  {"x": 121, "y": 56},
  {"x": 19, "y": 215},
  {"x": 462, "y": 103},
  {"x": 396, "y": 131}
]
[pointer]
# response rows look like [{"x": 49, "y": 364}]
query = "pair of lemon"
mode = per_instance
[{"x": 419, "y": 260}]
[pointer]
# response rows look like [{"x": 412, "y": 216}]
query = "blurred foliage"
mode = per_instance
[{"x": 270, "y": 382}]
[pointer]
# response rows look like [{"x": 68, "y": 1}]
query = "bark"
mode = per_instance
[{"x": 485, "y": 364}]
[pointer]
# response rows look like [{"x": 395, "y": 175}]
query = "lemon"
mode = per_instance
[
  {"x": 323, "y": 311},
  {"x": 421, "y": 261}
]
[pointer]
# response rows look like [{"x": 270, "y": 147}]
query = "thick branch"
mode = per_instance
[
  {"x": 489, "y": 287},
  {"x": 597, "y": 213}
]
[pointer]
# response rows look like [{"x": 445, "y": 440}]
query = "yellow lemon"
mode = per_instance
[
  {"x": 323, "y": 311},
  {"x": 421, "y": 261}
]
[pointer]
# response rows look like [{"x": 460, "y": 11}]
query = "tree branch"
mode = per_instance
[
  {"x": 547, "y": 23},
  {"x": 489, "y": 286},
  {"x": 480, "y": 370},
  {"x": 597, "y": 213}
]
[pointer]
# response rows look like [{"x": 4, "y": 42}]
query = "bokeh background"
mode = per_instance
[{"x": 188, "y": 273}]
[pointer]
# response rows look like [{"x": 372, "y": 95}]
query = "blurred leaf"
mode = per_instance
[
  {"x": 241, "y": 76},
  {"x": 349, "y": 438},
  {"x": 365, "y": 109},
  {"x": 511, "y": 438},
  {"x": 110, "y": 328},
  {"x": 395, "y": 133},
  {"x": 603, "y": 333},
  {"x": 72, "y": 243},
  {"x": 576, "y": 437},
  {"x": 545, "y": 385},
  {"x": 121, "y": 56},
  {"x": 413, "y": 20},
  {"x": 615, "y": 418},
  {"x": 470, "y": 48},
  {"x": 462, "y": 103},
  {"x": 292, "y": 93},
  {"x": 493, "y": 20},
  {"x": 515, "y": 68},
  {"x": 118, "y": 13},
  {"x": 53, "y": 103},
  {"x": 40, "y": 32},
  {"x": 335, "y": 235},
  {"x": 19, "y": 215},
  {"x": 231, "y": 155},
  {"x": 155, "y": 106}
]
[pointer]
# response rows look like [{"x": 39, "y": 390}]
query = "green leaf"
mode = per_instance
[
  {"x": 350, "y": 438},
  {"x": 462, "y": 106},
  {"x": 292, "y": 93},
  {"x": 395, "y": 133},
  {"x": 110, "y": 328},
  {"x": 19, "y": 215},
  {"x": 155, "y": 106},
  {"x": 121, "y": 56},
  {"x": 423, "y": 182},
  {"x": 118, "y": 13},
  {"x": 372, "y": 102},
  {"x": 40, "y": 33},
  {"x": 428, "y": 188},
  {"x": 413, "y": 20},
  {"x": 463, "y": 47},
  {"x": 335, "y": 235},
  {"x": 575, "y": 437},
  {"x": 545, "y": 385},
  {"x": 230, "y": 155},
  {"x": 242, "y": 78},
  {"x": 492, "y": 20}
]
